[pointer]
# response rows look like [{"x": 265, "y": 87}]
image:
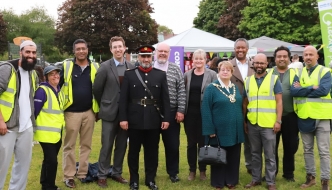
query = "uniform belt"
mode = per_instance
[{"x": 144, "y": 101}]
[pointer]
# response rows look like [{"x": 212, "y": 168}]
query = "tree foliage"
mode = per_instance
[
  {"x": 164, "y": 29},
  {"x": 209, "y": 13},
  {"x": 97, "y": 21},
  {"x": 34, "y": 23},
  {"x": 229, "y": 20},
  {"x": 3, "y": 34},
  {"x": 291, "y": 21}
]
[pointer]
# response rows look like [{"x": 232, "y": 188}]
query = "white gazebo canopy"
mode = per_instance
[{"x": 194, "y": 39}]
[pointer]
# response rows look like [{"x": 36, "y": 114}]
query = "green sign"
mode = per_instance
[{"x": 325, "y": 15}]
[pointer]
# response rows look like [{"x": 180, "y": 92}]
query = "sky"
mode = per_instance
[{"x": 177, "y": 15}]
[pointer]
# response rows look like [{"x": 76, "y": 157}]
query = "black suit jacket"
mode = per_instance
[
  {"x": 106, "y": 89},
  {"x": 138, "y": 116}
]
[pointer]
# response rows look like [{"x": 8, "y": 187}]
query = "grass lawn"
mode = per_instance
[{"x": 162, "y": 179}]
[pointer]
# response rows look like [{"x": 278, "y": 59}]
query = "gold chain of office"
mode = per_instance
[{"x": 231, "y": 96}]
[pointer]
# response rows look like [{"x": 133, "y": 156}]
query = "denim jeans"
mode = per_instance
[{"x": 322, "y": 134}]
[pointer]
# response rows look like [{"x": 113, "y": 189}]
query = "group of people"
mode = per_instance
[{"x": 240, "y": 101}]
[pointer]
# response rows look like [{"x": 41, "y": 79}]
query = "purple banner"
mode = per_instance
[{"x": 177, "y": 56}]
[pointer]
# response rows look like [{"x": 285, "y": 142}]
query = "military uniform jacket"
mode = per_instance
[{"x": 139, "y": 116}]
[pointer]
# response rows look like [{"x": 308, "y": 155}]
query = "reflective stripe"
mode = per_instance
[
  {"x": 262, "y": 110},
  {"x": 50, "y": 103},
  {"x": 65, "y": 83},
  {"x": 300, "y": 72},
  {"x": 261, "y": 98},
  {"x": 320, "y": 73},
  {"x": 67, "y": 70},
  {"x": 10, "y": 90},
  {"x": 318, "y": 100},
  {"x": 272, "y": 84},
  {"x": 95, "y": 65},
  {"x": 5, "y": 103},
  {"x": 47, "y": 128}
]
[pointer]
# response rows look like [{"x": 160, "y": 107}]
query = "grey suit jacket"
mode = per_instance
[
  {"x": 209, "y": 76},
  {"x": 237, "y": 77},
  {"x": 106, "y": 89}
]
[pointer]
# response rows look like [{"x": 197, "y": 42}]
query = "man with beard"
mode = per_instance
[
  {"x": 81, "y": 111},
  {"x": 314, "y": 104},
  {"x": 145, "y": 108},
  {"x": 177, "y": 96},
  {"x": 262, "y": 105},
  {"x": 17, "y": 87},
  {"x": 106, "y": 90},
  {"x": 242, "y": 69},
  {"x": 289, "y": 129}
]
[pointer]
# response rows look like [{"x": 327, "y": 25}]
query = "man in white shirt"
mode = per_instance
[
  {"x": 242, "y": 69},
  {"x": 17, "y": 85},
  {"x": 296, "y": 64}
]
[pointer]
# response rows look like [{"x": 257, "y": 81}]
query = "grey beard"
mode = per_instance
[
  {"x": 145, "y": 66},
  {"x": 161, "y": 61}
]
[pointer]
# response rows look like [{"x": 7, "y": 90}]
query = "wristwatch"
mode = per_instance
[{"x": 280, "y": 122}]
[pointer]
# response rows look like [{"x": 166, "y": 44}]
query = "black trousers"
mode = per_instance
[
  {"x": 290, "y": 140},
  {"x": 50, "y": 165},
  {"x": 150, "y": 141},
  {"x": 222, "y": 175},
  {"x": 195, "y": 139},
  {"x": 171, "y": 140}
]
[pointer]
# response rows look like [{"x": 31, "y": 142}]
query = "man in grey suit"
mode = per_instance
[
  {"x": 242, "y": 69},
  {"x": 106, "y": 90}
]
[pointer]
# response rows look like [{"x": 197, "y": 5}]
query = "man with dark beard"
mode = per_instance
[
  {"x": 17, "y": 120},
  {"x": 145, "y": 108},
  {"x": 177, "y": 96},
  {"x": 262, "y": 104}
]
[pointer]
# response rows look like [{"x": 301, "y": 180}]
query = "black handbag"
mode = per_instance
[{"x": 212, "y": 155}]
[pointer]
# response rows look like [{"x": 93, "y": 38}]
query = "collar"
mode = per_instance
[
  {"x": 117, "y": 63},
  {"x": 312, "y": 68},
  {"x": 261, "y": 76},
  {"x": 239, "y": 63},
  {"x": 144, "y": 70},
  {"x": 74, "y": 61},
  {"x": 161, "y": 66},
  {"x": 223, "y": 85}
]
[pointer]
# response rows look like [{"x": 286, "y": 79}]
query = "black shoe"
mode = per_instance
[
  {"x": 152, "y": 186},
  {"x": 289, "y": 179},
  {"x": 134, "y": 186},
  {"x": 174, "y": 179}
]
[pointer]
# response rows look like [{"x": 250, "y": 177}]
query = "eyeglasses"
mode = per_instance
[
  {"x": 163, "y": 51},
  {"x": 54, "y": 74},
  {"x": 259, "y": 63}
]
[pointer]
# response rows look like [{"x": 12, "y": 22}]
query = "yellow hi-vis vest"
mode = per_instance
[
  {"x": 7, "y": 98},
  {"x": 314, "y": 108},
  {"x": 67, "y": 85},
  {"x": 51, "y": 118},
  {"x": 262, "y": 107}
]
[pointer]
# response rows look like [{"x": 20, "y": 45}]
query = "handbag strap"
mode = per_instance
[
  {"x": 217, "y": 141},
  {"x": 149, "y": 92}
]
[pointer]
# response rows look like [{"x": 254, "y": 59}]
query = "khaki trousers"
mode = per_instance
[{"x": 81, "y": 123}]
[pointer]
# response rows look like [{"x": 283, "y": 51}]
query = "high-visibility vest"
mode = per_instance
[
  {"x": 50, "y": 120},
  {"x": 292, "y": 73},
  {"x": 7, "y": 98},
  {"x": 67, "y": 85},
  {"x": 314, "y": 108},
  {"x": 262, "y": 107}
]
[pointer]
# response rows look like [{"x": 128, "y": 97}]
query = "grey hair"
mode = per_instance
[
  {"x": 241, "y": 40},
  {"x": 199, "y": 52}
]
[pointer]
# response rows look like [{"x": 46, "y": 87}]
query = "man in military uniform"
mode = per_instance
[{"x": 145, "y": 107}]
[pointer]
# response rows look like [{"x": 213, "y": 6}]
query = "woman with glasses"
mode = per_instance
[
  {"x": 222, "y": 118},
  {"x": 49, "y": 102}
]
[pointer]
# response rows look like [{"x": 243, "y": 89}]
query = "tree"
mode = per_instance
[
  {"x": 34, "y": 23},
  {"x": 97, "y": 21},
  {"x": 209, "y": 14},
  {"x": 291, "y": 21},
  {"x": 3, "y": 32},
  {"x": 229, "y": 20},
  {"x": 164, "y": 29}
]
